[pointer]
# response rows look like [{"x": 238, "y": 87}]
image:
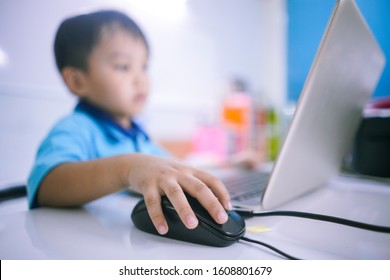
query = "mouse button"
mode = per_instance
[
  {"x": 165, "y": 203},
  {"x": 235, "y": 226},
  {"x": 140, "y": 206},
  {"x": 197, "y": 207},
  {"x": 233, "y": 215},
  {"x": 199, "y": 211},
  {"x": 141, "y": 220}
]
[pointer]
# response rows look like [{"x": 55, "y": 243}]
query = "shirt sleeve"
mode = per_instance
[{"x": 65, "y": 143}]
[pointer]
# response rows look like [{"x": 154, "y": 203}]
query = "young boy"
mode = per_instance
[{"x": 99, "y": 149}]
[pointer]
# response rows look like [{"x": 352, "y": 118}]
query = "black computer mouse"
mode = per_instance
[{"x": 208, "y": 232}]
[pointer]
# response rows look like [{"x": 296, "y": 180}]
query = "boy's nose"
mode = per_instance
[{"x": 140, "y": 80}]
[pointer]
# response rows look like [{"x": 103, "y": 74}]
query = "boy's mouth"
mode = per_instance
[{"x": 140, "y": 98}]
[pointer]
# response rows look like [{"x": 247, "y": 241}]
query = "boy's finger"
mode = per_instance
[
  {"x": 179, "y": 201},
  {"x": 199, "y": 190},
  {"x": 216, "y": 186},
  {"x": 153, "y": 205}
]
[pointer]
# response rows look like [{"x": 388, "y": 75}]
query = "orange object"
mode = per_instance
[
  {"x": 236, "y": 110},
  {"x": 236, "y": 117}
]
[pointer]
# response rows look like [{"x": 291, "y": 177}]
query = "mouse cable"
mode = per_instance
[
  {"x": 269, "y": 247},
  {"x": 12, "y": 192},
  {"x": 332, "y": 219}
]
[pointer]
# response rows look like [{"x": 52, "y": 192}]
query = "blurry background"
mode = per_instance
[
  {"x": 197, "y": 47},
  {"x": 306, "y": 21}
]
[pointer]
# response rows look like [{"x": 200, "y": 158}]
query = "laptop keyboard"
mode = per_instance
[{"x": 246, "y": 185}]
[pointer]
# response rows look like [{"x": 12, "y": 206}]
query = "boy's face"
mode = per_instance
[{"x": 117, "y": 79}]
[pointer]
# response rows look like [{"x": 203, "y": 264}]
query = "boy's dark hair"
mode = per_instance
[{"x": 78, "y": 35}]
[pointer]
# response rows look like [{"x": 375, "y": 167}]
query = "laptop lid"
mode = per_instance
[{"x": 343, "y": 75}]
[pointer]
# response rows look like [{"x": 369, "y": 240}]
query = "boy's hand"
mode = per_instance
[
  {"x": 153, "y": 177},
  {"x": 249, "y": 159}
]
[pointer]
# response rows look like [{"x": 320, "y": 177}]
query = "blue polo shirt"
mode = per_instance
[{"x": 87, "y": 134}]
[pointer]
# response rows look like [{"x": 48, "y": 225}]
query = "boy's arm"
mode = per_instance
[{"x": 73, "y": 184}]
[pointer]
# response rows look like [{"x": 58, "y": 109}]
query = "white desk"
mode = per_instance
[{"x": 103, "y": 230}]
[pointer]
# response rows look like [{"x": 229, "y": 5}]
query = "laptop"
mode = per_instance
[{"x": 345, "y": 72}]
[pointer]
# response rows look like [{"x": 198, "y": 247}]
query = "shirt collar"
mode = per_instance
[{"x": 104, "y": 118}]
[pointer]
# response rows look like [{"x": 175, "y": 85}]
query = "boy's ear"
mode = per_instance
[{"x": 75, "y": 80}]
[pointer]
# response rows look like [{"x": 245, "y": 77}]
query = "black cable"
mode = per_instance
[
  {"x": 12, "y": 192},
  {"x": 332, "y": 219},
  {"x": 270, "y": 247}
]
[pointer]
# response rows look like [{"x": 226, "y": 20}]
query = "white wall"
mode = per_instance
[{"x": 196, "y": 45}]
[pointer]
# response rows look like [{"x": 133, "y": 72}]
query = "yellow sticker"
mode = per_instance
[{"x": 257, "y": 229}]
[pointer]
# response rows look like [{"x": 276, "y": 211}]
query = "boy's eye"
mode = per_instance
[{"x": 122, "y": 67}]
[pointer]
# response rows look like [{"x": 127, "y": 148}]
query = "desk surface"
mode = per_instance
[{"x": 103, "y": 230}]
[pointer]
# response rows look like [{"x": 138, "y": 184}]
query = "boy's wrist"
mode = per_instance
[{"x": 125, "y": 166}]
